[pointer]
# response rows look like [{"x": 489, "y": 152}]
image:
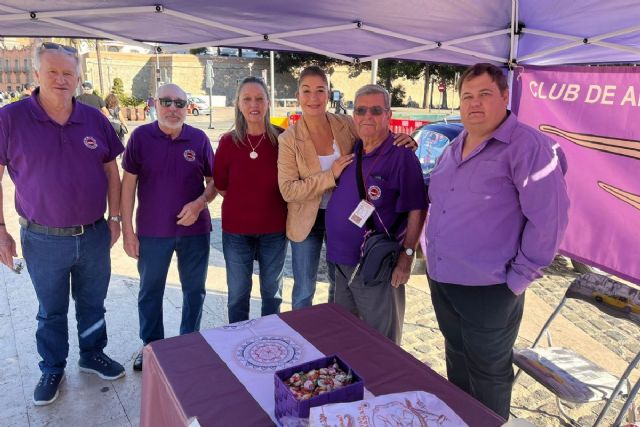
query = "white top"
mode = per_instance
[{"x": 325, "y": 164}]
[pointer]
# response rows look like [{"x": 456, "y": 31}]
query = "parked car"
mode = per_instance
[
  {"x": 197, "y": 105},
  {"x": 432, "y": 139}
]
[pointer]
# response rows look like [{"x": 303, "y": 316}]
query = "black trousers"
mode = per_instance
[{"x": 480, "y": 325}]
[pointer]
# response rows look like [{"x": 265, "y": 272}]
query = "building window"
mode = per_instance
[
  {"x": 0, "y": 77},
  {"x": 17, "y": 68},
  {"x": 26, "y": 65}
]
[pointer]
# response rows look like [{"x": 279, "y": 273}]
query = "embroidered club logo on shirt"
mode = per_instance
[
  {"x": 374, "y": 192},
  {"x": 90, "y": 142},
  {"x": 189, "y": 155}
]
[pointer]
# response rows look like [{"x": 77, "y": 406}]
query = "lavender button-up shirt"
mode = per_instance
[{"x": 497, "y": 216}]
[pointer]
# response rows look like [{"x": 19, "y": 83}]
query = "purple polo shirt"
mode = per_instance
[
  {"x": 58, "y": 170},
  {"x": 499, "y": 215},
  {"x": 170, "y": 173},
  {"x": 393, "y": 179}
]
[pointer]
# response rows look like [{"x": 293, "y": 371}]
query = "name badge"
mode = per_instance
[{"x": 361, "y": 213}]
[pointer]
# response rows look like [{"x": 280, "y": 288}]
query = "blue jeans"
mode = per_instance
[
  {"x": 240, "y": 250},
  {"x": 55, "y": 264},
  {"x": 305, "y": 257},
  {"x": 153, "y": 266}
]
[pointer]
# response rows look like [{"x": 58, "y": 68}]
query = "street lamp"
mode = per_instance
[{"x": 250, "y": 65}]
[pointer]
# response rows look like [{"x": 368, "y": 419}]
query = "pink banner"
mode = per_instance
[{"x": 594, "y": 113}]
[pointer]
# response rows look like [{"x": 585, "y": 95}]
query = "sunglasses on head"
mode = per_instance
[
  {"x": 166, "y": 102},
  {"x": 56, "y": 46},
  {"x": 376, "y": 110}
]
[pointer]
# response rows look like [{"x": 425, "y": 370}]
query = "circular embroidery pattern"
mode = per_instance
[
  {"x": 189, "y": 155},
  {"x": 268, "y": 353},
  {"x": 90, "y": 142},
  {"x": 374, "y": 192},
  {"x": 244, "y": 324}
]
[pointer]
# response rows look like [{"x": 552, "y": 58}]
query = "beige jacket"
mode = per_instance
[{"x": 302, "y": 182}]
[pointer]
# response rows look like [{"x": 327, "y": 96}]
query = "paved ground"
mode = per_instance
[{"x": 87, "y": 400}]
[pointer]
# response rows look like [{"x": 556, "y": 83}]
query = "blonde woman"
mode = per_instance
[{"x": 253, "y": 211}]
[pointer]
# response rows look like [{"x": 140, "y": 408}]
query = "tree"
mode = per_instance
[
  {"x": 118, "y": 87},
  {"x": 290, "y": 62},
  {"x": 390, "y": 70}
]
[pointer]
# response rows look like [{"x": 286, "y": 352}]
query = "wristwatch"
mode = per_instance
[
  {"x": 115, "y": 218},
  {"x": 408, "y": 251}
]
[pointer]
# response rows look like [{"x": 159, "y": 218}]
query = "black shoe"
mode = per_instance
[
  {"x": 46, "y": 391},
  {"x": 102, "y": 365},
  {"x": 137, "y": 362}
]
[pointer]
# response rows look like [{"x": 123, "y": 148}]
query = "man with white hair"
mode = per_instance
[
  {"x": 60, "y": 155},
  {"x": 381, "y": 191},
  {"x": 169, "y": 162}
]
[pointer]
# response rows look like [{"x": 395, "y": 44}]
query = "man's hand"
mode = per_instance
[
  {"x": 402, "y": 270},
  {"x": 405, "y": 140},
  {"x": 190, "y": 212},
  {"x": 7, "y": 248},
  {"x": 131, "y": 244},
  {"x": 114, "y": 227}
]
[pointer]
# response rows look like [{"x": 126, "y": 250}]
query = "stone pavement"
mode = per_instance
[{"x": 87, "y": 400}]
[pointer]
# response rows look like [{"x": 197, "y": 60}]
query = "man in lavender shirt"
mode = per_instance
[
  {"x": 60, "y": 155},
  {"x": 168, "y": 162},
  {"x": 394, "y": 187},
  {"x": 497, "y": 215}
]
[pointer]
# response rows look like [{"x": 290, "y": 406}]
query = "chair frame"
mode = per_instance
[{"x": 633, "y": 364}]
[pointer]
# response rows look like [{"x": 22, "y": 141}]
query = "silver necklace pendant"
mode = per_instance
[{"x": 253, "y": 155}]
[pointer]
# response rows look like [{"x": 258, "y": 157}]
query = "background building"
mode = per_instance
[{"x": 15, "y": 64}]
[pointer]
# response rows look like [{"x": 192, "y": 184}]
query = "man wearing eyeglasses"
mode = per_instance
[
  {"x": 169, "y": 163},
  {"x": 395, "y": 202},
  {"x": 60, "y": 155}
]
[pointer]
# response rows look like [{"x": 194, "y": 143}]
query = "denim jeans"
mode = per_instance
[
  {"x": 305, "y": 257},
  {"x": 55, "y": 264},
  {"x": 153, "y": 266},
  {"x": 240, "y": 250}
]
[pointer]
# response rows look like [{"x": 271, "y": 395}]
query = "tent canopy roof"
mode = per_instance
[{"x": 539, "y": 32}]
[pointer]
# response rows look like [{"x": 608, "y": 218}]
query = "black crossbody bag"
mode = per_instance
[{"x": 380, "y": 250}]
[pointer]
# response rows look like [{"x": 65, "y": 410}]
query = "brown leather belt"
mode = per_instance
[{"x": 76, "y": 230}]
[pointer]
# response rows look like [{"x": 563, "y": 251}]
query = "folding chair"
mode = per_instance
[{"x": 570, "y": 376}]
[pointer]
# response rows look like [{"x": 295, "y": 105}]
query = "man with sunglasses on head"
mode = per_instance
[
  {"x": 395, "y": 203},
  {"x": 170, "y": 164},
  {"x": 60, "y": 155}
]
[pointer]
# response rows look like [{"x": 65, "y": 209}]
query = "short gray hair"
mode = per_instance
[
  {"x": 170, "y": 85},
  {"x": 39, "y": 50},
  {"x": 374, "y": 90}
]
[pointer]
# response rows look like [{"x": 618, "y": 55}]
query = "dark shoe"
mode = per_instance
[
  {"x": 102, "y": 365},
  {"x": 46, "y": 391},
  {"x": 137, "y": 362}
]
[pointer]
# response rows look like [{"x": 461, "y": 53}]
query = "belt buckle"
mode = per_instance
[{"x": 80, "y": 233}]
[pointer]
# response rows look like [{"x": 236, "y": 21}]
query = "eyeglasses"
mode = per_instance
[
  {"x": 55, "y": 46},
  {"x": 166, "y": 102},
  {"x": 376, "y": 110}
]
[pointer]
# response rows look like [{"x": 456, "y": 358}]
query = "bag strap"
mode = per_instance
[
  {"x": 363, "y": 196},
  {"x": 360, "y": 182}
]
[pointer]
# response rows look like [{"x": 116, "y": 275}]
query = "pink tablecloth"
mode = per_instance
[{"x": 184, "y": 378}]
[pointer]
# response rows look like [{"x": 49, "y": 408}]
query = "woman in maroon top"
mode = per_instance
[{"x": 253, "y": 211}]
